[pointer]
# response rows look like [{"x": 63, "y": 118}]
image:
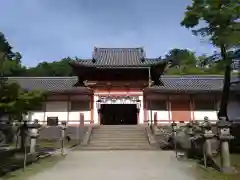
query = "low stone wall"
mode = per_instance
[{"x": 54, "y": 132}]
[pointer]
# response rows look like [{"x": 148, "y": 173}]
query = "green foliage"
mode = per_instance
[
  {"x": 10, "y": 62},
  {"x": 15, "y": 102},
  {"x": 182, "y": 57},
  {"x": 5, "y": 48},
  {"x": 222, "y": 27},
  {"x": 221, "y": 19},
  {"x": 12, "y": 68},
  {"x": 56, "y": 68}
]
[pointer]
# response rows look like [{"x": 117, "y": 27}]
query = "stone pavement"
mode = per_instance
[{"x": 118, "y": 165}]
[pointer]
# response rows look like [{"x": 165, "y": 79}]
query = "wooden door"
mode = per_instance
[{"x": 180, "y": 110}]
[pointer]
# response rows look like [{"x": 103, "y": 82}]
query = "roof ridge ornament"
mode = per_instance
[
  {"x": 142, "y": 59},
  {"x": 93, "y": 60},
  {"x": 94, "y": 55}
]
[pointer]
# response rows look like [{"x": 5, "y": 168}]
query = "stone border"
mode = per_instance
[{"x": 151, "y": 137}]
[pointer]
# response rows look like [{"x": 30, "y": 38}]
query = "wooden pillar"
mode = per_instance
[
  {"x": 155, "y": 119},
  {"x": 92, "y": 108},
  {"x": 169, "y": 109},
  {"x": 192, "y": 107},
  {"x": 68, "y": 107},
  {"x": 44, "y": 110},
  {"x": 81, "y": 119}
]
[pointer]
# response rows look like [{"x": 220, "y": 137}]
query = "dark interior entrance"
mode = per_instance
[{"x": 115, "y": 114}]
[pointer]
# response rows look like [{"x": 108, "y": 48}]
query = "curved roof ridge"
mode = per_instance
[
  {"x": 41, "y": 77},
  {"x": 194, "y": 76}
]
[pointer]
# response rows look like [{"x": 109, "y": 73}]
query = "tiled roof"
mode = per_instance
[
  {"x": 169, "y": 83},
  {"x": 118, "y": 57},
  {"x": 190, "y": 83},
  {"x": 52, "y": 84}
]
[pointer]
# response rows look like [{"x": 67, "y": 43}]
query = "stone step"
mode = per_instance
[
  {"x": 106, "y": 136},
  {"x": 109, "y": 138},
  {"x": 122, "y": 141},
  {"x": 120, "y": 126},
  {"x": 119, "y": 129},
  {"x": 118, "y": 132},
  {"x": 120, "y": 144},
  {"x": 93, "y": 147},
  {"x": 120, "y": 138}
]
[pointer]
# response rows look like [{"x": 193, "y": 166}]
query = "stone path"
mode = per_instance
[{"x": 118, "y": 165}]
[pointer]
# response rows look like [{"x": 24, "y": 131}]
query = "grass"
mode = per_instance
[
  {"x": 50, "y": 143},
  {"x": 33, "y": 169},
  {"x": 210, "y": 174},
  {"x": 12, "y": 161}
]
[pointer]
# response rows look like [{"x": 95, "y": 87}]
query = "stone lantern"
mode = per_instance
[
  {"x": 34, "y": 134},
  {"x": 224, "y": 136},
  {"x": 207, "y": 136},
  {"x": 63, "y": 127}
]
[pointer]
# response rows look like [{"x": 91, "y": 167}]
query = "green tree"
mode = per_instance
[
  {"x": 56, "y": 68},
  {"x": 184, "y": 62},
  {"x": 182, "y": 57},
  {"x": 15, "y": 102},
  {"x": 10, "y": 62},
  {"x": 221, "y": 19}
]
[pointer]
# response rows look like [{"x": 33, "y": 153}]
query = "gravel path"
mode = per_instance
[{"x": 118, "y": 165}]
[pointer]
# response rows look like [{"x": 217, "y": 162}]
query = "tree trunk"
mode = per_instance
[{"x": 226, "y": 87}]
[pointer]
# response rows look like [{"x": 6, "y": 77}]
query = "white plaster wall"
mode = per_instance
[
  {"x": 57, "y": 109},
  {"x": 36, "y": 115},
  {"x": 234, "y": 110},
  {"x": 199, "y": 115},
  {"x": 161, "y": 116},
  {"x": 74, "y": 117}
]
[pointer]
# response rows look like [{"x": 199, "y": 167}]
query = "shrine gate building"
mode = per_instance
[{"x": 123, "y": 86}]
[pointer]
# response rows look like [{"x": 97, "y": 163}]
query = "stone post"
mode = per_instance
[
  {"x": 190, "y": 135},
  {"x": 224, "y": 137},
  {"x": 34, "y": 134},
  {"x": 174, "y": 131},
  {"x": 63, "y": 128}
]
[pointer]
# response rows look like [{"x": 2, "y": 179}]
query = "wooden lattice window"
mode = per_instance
[
  {"x": 158, "y": 105},
  {"x": 80, "y": 106}
]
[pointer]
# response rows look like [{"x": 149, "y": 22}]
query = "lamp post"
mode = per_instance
[
  {"x": 174, "y": 131},
  {"x": 224, "y": 137},
  {"x": 207, "y": 135},
  {"x": 34, "y": 134},
  {"x": 63, "y": 127}
]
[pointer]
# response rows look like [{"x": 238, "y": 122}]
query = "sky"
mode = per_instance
[{"x": 49, "y": 30}]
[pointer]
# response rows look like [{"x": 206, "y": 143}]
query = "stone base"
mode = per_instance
[{"x": 228, "y": 170}]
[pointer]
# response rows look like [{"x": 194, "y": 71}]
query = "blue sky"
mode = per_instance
[{"x": 48, "y": 30}]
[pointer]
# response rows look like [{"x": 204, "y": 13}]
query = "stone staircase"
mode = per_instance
[{"x": 118, "y": 137}]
